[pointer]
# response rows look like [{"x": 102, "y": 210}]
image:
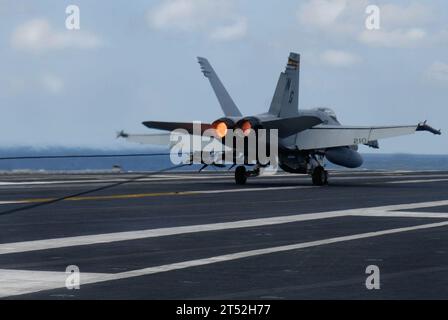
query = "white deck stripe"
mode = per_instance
[
  {"x": 407, "y": 214},
  {"x": 259, "y": 252},
  {"x": 46, "y": 244},
  {"x": 16, "y": 282},
  {"x": 418, "y": 181},
  {"x": 203, "y": 177},
  {"x": 415, "y": 205},
  {"x": 11, "y": 202},
  {"x": 21, "y": 282},
  {"x": 244, "y": 189},
  {"x": 154, "y": 233}
]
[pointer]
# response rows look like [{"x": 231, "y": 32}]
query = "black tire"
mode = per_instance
[
  {"x": 240, "y": 175},
  {"x": 319, "y": 176}
]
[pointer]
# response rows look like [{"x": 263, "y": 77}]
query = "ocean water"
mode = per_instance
[{"x": 376, "y": 161}]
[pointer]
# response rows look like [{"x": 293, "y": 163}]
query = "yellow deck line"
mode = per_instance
[{"x": 110, "y": 197}]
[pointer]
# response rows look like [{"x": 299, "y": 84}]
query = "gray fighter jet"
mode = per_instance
[{"x": 306, "y": 137}]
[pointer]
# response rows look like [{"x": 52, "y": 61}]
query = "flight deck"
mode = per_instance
[{"x": 199, "y": 236}]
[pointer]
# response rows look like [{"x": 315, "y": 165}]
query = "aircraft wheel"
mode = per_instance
[
  {"x": 320, "y": 176},
  {"x": 240, "y": 175}
]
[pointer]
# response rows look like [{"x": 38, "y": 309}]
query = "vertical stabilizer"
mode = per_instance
[
  {"x": 285, "y": 102},
  {"x": 227, "y": 105}
]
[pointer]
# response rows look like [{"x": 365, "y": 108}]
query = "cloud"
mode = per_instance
[
  {"x": 337, "y": 58},
  {"x": 399, "y": 16},
  {"x": 216, "y": 18},
  {"x": 38, "y": 35},
  {"x": 180, "y": 14},
  {"x": 321, "y": 13},
  {"x": 332, "y": 16},
  {"x": 52, "y": 83},
  {"x": 438, "y": 71},
  {"x": 46, "y": 83},
  {"x": 395, "y": 38},
  {"x": 400, "y": 25},
  {"x": 234, "y": 31}
]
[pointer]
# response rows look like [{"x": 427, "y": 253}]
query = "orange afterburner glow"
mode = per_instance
[
  {"x": 221, "y": 129},
  {"x": 246, "y": 127}
]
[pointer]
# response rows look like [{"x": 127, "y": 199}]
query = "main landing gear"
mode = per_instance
[
  {"x": 241, "y": 174},
  {"x": 319, "y": 176}
]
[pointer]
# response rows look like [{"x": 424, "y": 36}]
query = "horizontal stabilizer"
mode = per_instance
[
  {"x": 170, "y": 139},
  {"x": 289, "y": 126},
  {"x": 158, "y": 139},
  {"x": 171, "y": 126}
]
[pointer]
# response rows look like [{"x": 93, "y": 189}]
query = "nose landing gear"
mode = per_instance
[
  {"x": 241, "y": 175},
  {"x": 319, "y": 175}
]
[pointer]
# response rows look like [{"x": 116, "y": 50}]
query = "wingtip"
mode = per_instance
[
  {"x": 423, "y": 126},
  {"x": 147, "y": 124},
  {"x": 122, "y": 134}
]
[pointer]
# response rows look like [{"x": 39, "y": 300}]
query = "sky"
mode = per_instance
[{"x": 132, "y": 61}]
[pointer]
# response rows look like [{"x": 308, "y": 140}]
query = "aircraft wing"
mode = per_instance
[{"x": 326, "y": 136}]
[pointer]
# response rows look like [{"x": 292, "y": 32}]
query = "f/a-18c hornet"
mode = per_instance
[{"x": 305, "y": 137}]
